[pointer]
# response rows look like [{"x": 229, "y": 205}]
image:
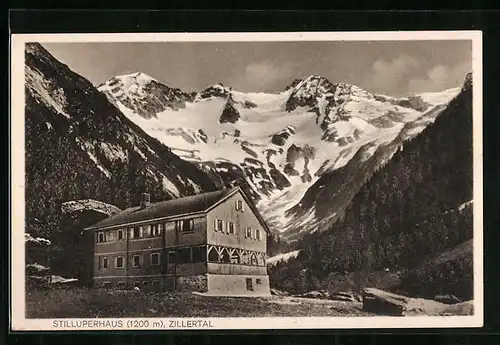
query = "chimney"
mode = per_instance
[{"x": 145, "y": 200}]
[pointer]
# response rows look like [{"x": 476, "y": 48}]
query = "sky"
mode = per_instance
[{"x": 396, "y": 68}]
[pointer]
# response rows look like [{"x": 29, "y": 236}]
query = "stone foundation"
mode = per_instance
[
  {"x": 216, "y": 284},
  {"x": 219, "y": 284},
  {"x": 192, "y": 283}
]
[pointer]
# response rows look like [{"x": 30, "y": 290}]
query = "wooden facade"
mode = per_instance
[{"x": 218, "y": 248}]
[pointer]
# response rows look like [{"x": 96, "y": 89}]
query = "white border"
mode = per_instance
[{"x": 20, "y": 323}]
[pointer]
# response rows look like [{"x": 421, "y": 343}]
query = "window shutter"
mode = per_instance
[{"x": 239, "y": 205}]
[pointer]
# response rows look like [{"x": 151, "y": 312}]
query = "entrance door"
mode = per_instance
[
  {"x": 169, "y": 283},
  {"x": 170, "y": 268},
  {"x": 171, "y": 262},
  {"x": 249, "y": 284}
]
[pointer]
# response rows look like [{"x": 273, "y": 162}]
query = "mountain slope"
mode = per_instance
[
  {"x": 325, "y": 201},
  {"x": 418, "y": 204},
  {"x": 79, "y": 146},
  {"x": 284, "y": 147}
]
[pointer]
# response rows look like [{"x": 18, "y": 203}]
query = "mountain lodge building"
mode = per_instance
[{"x": 212, "y": 242}]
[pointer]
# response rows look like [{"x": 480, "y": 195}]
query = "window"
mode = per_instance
[
  {"x": 199, "y": 254},
  {"x": 253, "y": 260},
  {"x": 213, "y": 256},
  {"x": 249, "y": 284},
  {"x": 224, "y": 257},
  {"x": 184, "y": 255},
  {"x": 155, "y": 259},
  {"x": 100, "y": 237},
  {"x": 119, "y": 262},
  {"x": 248, "y": 232},
  {"x": 145, "y": 283},
  {"x": 171, "y": 257},
  {"x": 136, "y": 261},
  {"x": 244, "y": 258},
  {"x": 155, "y": 230},
  {"x": 106, "y": 284},
  {"x": 230, "y": 228},
  {"x": 258, "y": 281},
  {"x": 257, "y": 234},
  {"x": 136, "y": 232},
  {"x": 219, "y": 225},
  {"x": 239, "y": 205},
  {"x": 146, "y": 229},
  {"x": 261, "y": 260},
  {"x": 235, "y": 258},
  {"x": 187, "y": 225},
  {"x": 104, "y": 262},
  {"x": 120, "y": 235},
  {"x": 109, "y": 236}
]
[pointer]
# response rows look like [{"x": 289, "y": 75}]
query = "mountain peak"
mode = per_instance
[
  {"x": 305, "y": 92},
  {"x": 467, "y": 82},
  {"x": 316, "y": 76},
  {"x": 34, "y": 48},
  {"x": 215, "y": 91},
  {"x": 142, "y": 94},
  {"x": 137, "y": 77}
]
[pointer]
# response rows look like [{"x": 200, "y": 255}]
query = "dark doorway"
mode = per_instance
[{"x": 249, "y": 284}]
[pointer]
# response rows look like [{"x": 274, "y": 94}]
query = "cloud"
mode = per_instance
[
  {"x": 264, "y": 76},
  {"x": 439, "y": 78},
  {"x": 386, "y": 76},
  {"x": 405, "y": 75}
]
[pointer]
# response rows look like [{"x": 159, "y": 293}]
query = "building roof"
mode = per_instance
[{"x": 171, "y": 208}]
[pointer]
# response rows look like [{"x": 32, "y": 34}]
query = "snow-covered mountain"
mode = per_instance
[
  {"x": 303, "y": 153},
  {"x": 145, "y": 95}
]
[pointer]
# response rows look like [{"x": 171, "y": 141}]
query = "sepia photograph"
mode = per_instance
[{"x": 221, "y": 181}]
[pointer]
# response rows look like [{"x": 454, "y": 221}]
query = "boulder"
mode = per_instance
[
  {"x": 383, "y": 303},
  {"x": 344, "y": 297},
  {"x": 315, "y": 294},
  {"x": 276, "y": 292},
  {"x": 447, "y": 299}
]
